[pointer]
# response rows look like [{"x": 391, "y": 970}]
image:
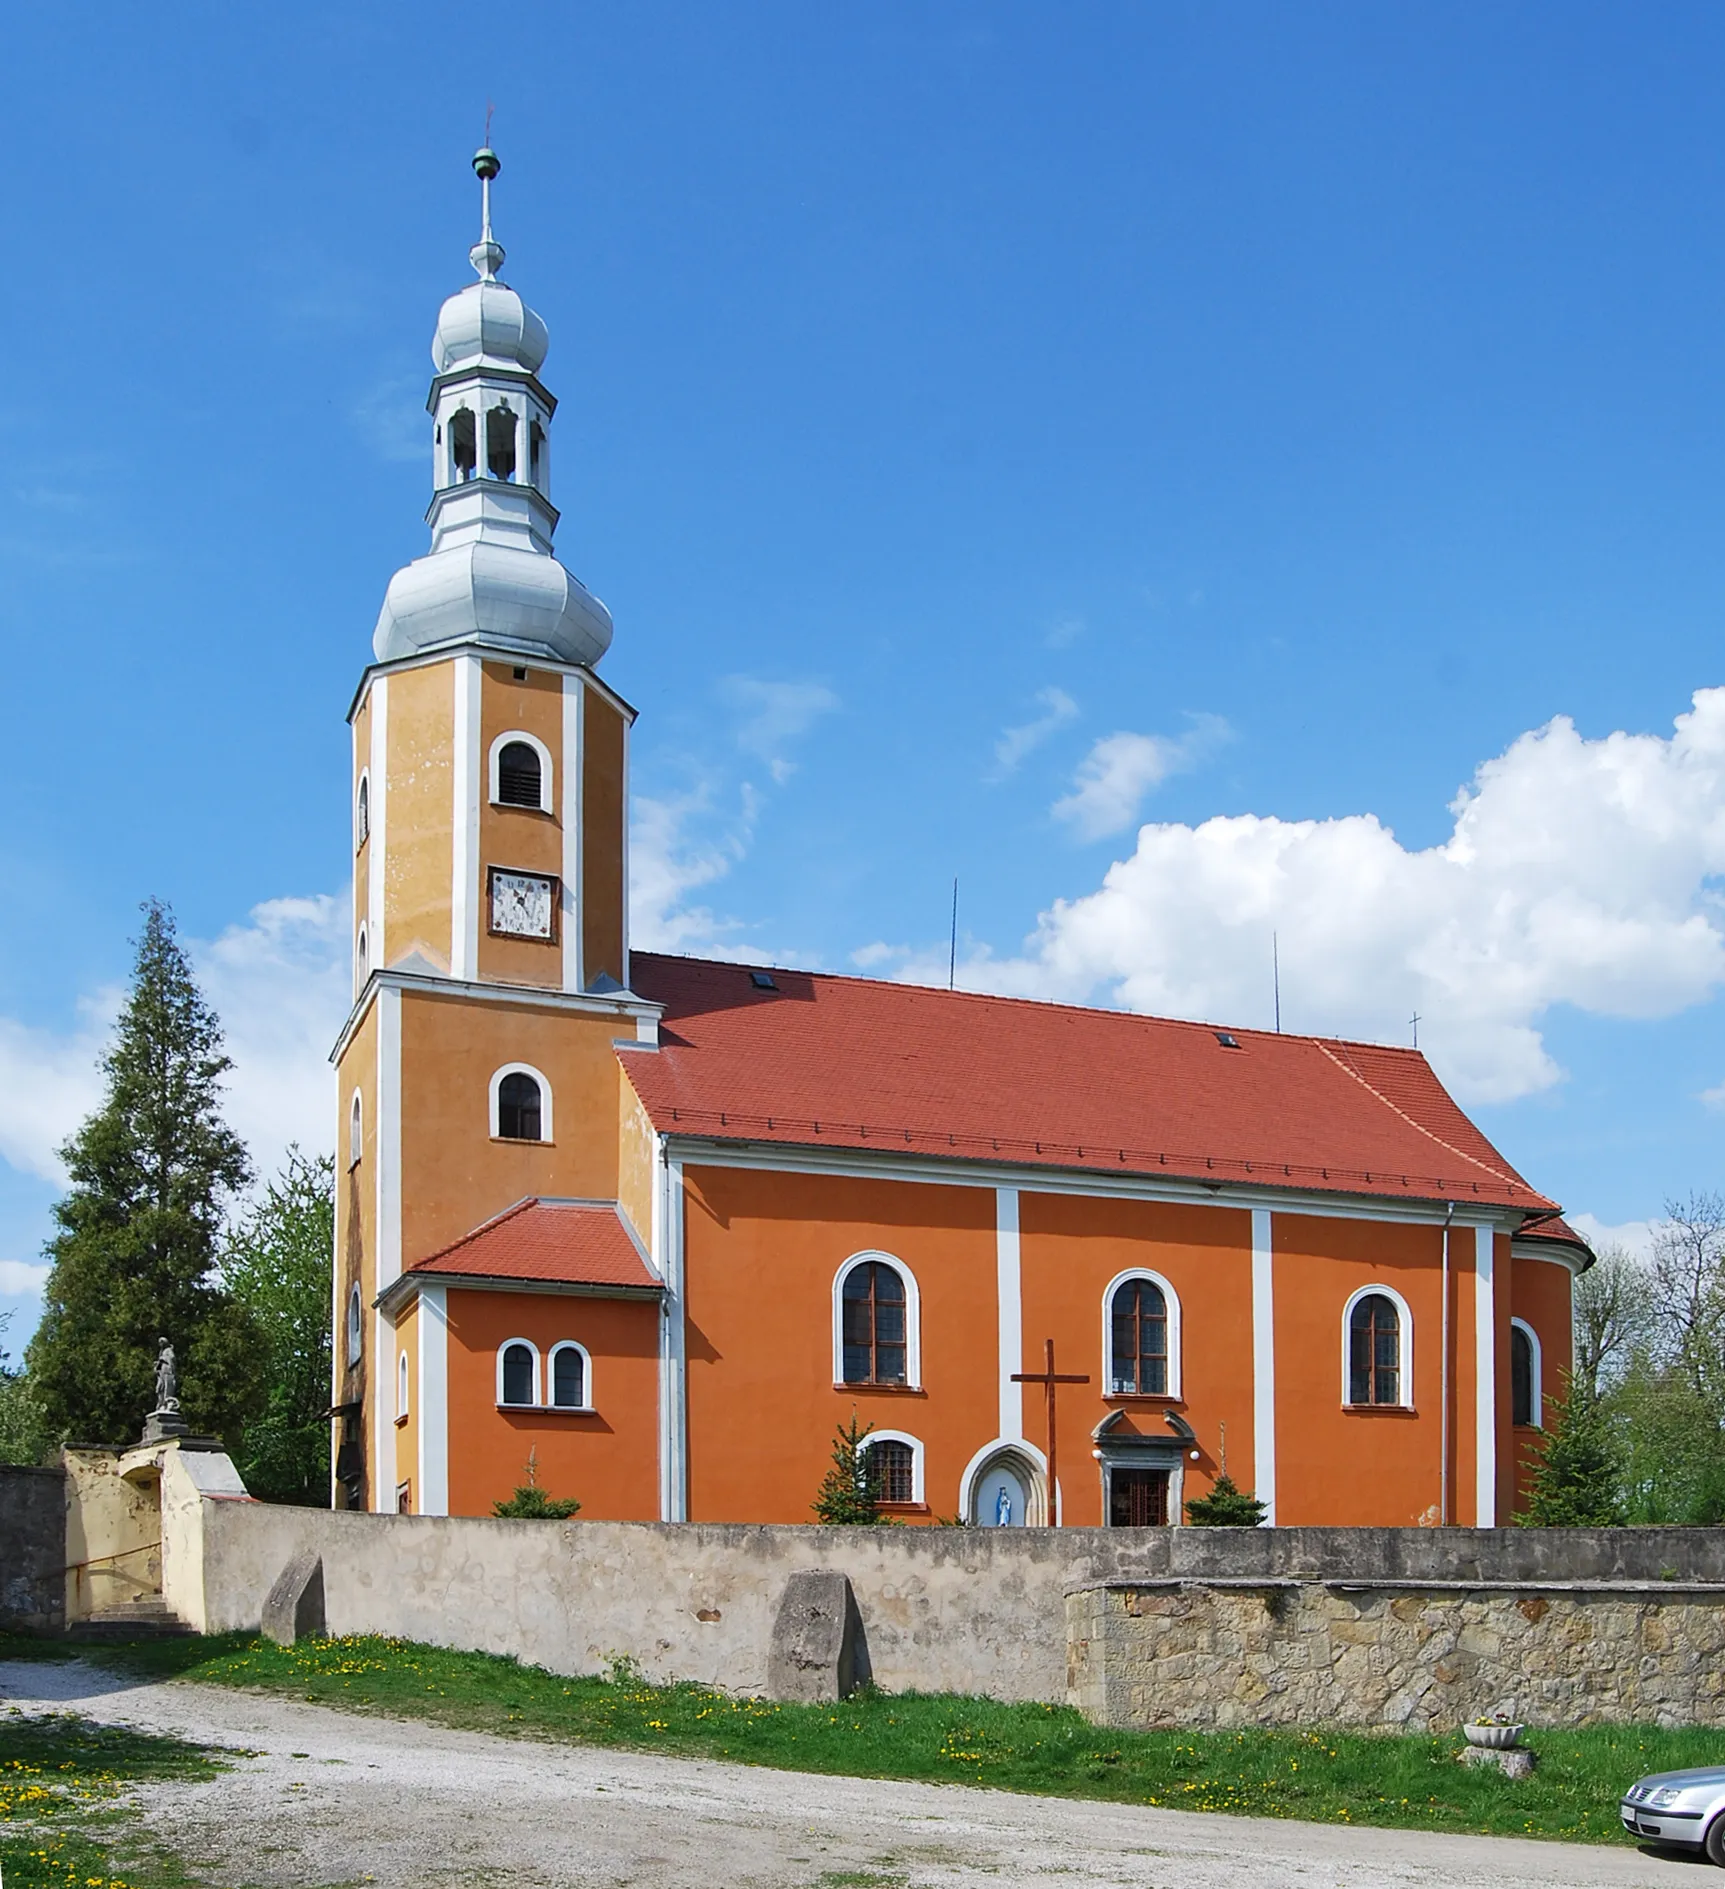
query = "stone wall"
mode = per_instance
[
  {"x": 1387, "y": 1627},
  {"x": 1316, "y": 1653},
  {"x": 32, "y": 1549}
]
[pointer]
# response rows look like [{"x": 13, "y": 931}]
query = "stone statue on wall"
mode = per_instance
[{"x": 167, "y": 1379}]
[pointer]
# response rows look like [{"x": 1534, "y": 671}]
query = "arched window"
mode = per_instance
[
  {"x": 362, "y": 813},
  {"x": 463, "y": 446},
  {"x": 1525, "y": 1388},
  {"x": 401, "y": 1385},
  {"x": 1375, "y": 1350},
  {"x": 500, "y": 443},
  {"x": 570, "y": 1389},
  {"x": 355, "y": 1326},
  {"x": 520, "y": 1110},
  {"x": 1138, "y": 1339},
  {"x": 518, "y": 783},
  {"x": 892, "y": 1468},
  {"x": 536, "y": 455},
  {"x": 518, "y": 1374},
  {"x": 876, "y": 1331},
  {"x": 362, "y": 954},
  {"x": 355, "y": 1131}
]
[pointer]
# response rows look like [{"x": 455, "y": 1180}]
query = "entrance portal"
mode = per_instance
[{"x": 1137, "y": 1498}]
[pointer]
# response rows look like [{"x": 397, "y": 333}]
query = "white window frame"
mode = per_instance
[
  {"x": 362, "y": 809},
  {"x": 569, "y": 1344},
  {"x": 917, "y": 1495},
  {"x": 355, "y": 1131},
  {"x": 538, "y": 1075},
  {"x": 1405, "y": 1350},
  {"x": 1538, "y": 1360},
  {"x": 401, "y": 1387},
  {"x": 495, "y": 769},
  {"x": 537, "y": 1384},
  {"x": 912, "y": 1317},
  {"x": 361, "y": 955},
  {"x": 1171, "y": 1299},
  {"x": 355, "y": 1333}
]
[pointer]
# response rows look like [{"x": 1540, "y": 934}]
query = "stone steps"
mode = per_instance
[{"x": 149, "y": 1619}]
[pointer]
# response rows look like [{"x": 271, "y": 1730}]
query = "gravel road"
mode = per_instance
[{"x": 333, "y": 1798}]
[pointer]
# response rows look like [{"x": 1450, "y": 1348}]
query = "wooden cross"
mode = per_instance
[{"x": 1048, "y": 1377}]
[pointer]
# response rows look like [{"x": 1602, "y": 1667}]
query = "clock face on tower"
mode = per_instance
[{"x": 523, "y": 905}]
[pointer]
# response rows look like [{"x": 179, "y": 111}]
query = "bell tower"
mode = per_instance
[{"x": 489, "y": 795}]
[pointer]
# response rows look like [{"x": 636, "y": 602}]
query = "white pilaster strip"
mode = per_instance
[
  {"x": 1485, "y": 1378},
  {"x": 388, "y": 1137},
  {"x": 1009, "y": 1295},
  {"x": 571, "y": 806},
  {"x": 379, "y": 844},
  {"x": 625, "y": 973},
  {"x": 1263, "y": 1365},
  {"x": 468, "y": 767},
  {"x": 668, "y": 1222},
  {"x": 431, "y": 1493},
  {"x": 381, "y": 1379}
]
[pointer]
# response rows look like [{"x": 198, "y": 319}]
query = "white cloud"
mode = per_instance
[
  {"x": 1635, "y": 1235},
  {"x": 1576, "y": 872},
  {"x": 1015, "y": 743},
  {"x": 1120, "y": 770},
  {"x": 280, "y": 985},
  {"x": 774, "y": 714},
  {"x": 668, "y": 862},
  {"x": 19, "y": 1278}
]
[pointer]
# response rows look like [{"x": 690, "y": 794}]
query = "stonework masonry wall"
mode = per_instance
[
  {"x": 32, "y": 1549},
  {"x": 1387, "y": 1627},
  {"x": 1307, "y": 1653}
]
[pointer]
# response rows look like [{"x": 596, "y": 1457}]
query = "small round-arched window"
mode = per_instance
[
  {"x": 355, "y": 1326},
  {"x": 355, "y": 1131},
  {"x": 362, "y": 812},
  {"x": 518, "y": 1373},
  {"x": 1374, "y": 1351},
  {"x": 519, "y": 779},
  {"x": 568, "y": 1378},
  {"x": 892, "y": 1470},
  {"x": 873, "y": 1302},
  {"x": 519, "y": 1108}
]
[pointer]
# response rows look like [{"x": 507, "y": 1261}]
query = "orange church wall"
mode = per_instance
[
  {"x": 454, "y": 1176},
  {"x": 1541, "y": 1295},
  {"x": 635, "y": 1143},
  {"x": 1337, "y": 1466},
  {"x": 519, "y": 837},
  {"x": 603, "y": 788},
  {"x": 1071, "y": 1247},
  {"x": 610, "y": 1460},
  {"x": 418, "y": 819},
  {"x": 761, "y": 1253}
]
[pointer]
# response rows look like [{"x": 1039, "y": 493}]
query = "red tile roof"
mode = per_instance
[
  {"x": 547, "y": 1242},
  {"x": 850, "y": 1062}
]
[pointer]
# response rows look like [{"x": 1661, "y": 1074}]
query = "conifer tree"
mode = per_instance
[
  {"x": 1226, "y": 1506},
  {"x": 849, "y": 1494},
  {"x": 276, "y": 1262},
  {"x": 530, "y": 1503},
  {"x": 151, "y": 1172},
  {"x": 1576, "y": 1482}
]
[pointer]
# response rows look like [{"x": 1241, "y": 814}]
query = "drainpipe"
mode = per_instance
[{"x": 1443, "y": 1425}]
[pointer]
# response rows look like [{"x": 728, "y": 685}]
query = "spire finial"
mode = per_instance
[{"x": 487, "y": 254}]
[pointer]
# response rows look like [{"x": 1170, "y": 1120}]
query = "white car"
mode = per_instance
[{"x": 1684, "y": 1808}]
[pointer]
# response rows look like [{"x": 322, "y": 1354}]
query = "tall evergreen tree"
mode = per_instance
[
  {"x": 849, "y": 1494},
  {"x": 1576, "y": 1483},
  {"x": 151, "y": 1172},
  {"x": 276, "y": 1262}
]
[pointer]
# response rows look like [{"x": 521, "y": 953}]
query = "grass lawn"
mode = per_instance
[
  {"x": 1332, "y": 1777},
  {"x": 63, "y": 1824}
]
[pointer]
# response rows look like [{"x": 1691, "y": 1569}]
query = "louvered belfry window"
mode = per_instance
[
  {"x": 1374, "y": 1351},
  {"x": 874, "y": 1324},
  {"x": 518, "y": 778},
  {"x": 1138, "y": 1340}
]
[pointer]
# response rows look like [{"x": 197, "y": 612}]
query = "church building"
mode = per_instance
[{"x": 650, "y": 1229}]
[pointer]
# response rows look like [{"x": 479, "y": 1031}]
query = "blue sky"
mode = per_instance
[{"x": 994, "y": 429}]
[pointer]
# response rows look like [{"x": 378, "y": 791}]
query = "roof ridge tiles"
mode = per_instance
[
  {"x": 1509, "y": 1179},
  {"x": 1043, "y": 1004}
]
